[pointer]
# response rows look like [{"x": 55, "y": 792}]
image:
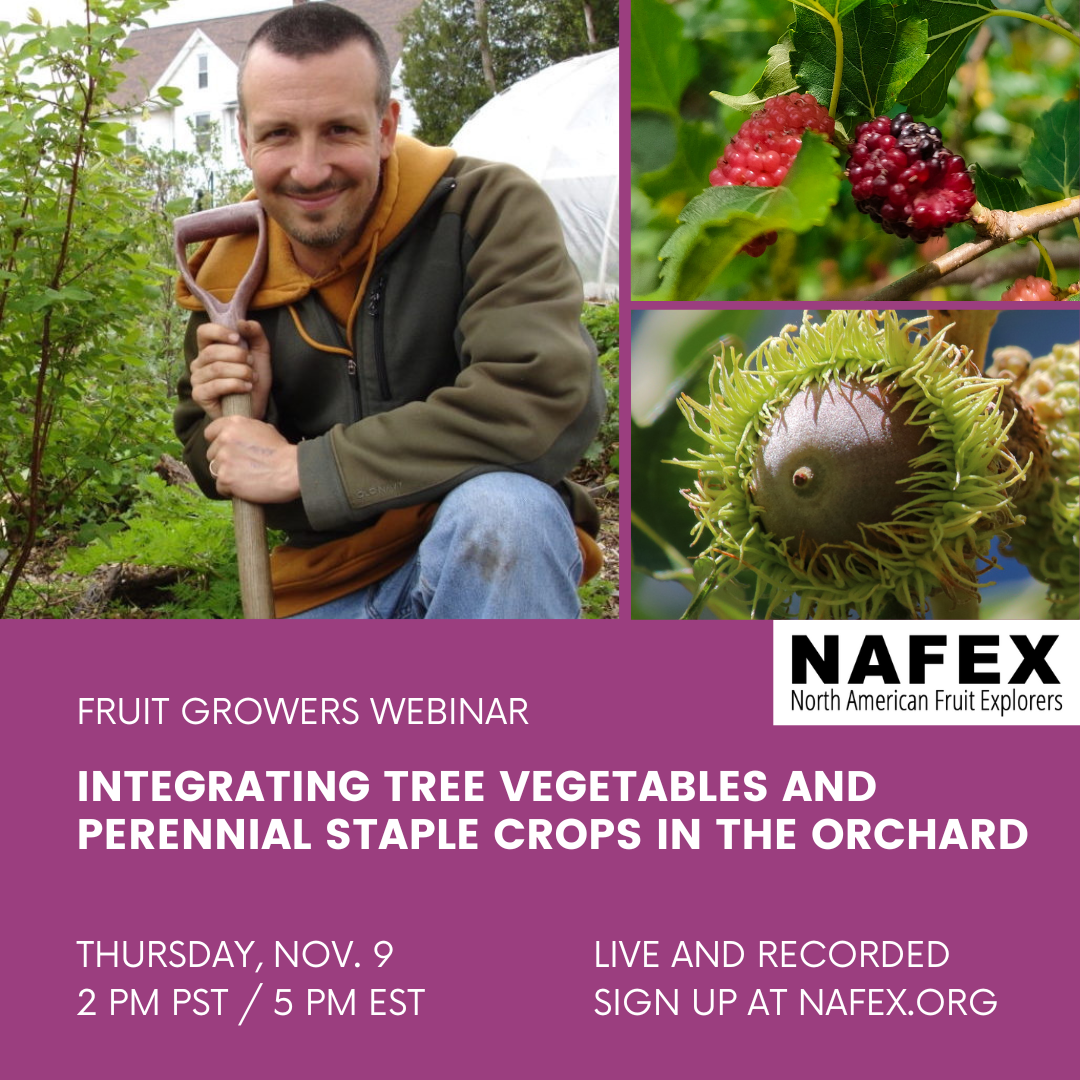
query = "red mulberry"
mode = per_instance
[
  {"x": 906, "y": 180},
  {"x": 1030, "y": 288},
  {"x": 765, "y": 146}
]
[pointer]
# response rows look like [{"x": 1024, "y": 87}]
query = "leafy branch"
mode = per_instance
[
  {"x": 67, "y": 214},
  {"x": 44, "y": 402}
]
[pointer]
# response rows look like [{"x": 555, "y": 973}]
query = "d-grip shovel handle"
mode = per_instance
[
  {"x": 245, "y": 217},
  {"x": 249, "y": 524}
]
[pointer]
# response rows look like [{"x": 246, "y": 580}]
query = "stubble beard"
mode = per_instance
[
  {"x": 319, "y": 236},
  {"x": 315, "y": 232}
]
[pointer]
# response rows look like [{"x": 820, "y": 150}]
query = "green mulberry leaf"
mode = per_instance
[
  {"x": 999, "y": 193},
  {"x": 719, "y": 221},
  {"x": 951, "y": 24},
  {"x": 775, "y": 79},
  {"x": 884, "y": 47},
  {"x": 1052, "y": 159}
]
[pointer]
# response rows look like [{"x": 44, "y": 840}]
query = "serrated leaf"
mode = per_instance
[
  {"x": 1053, "y": 157},
  {"x": 951, "y": 24},
  {"x": 718, "y": 222},
  {"x": 998, "y": 193},
  {"x": 884, "y": 46},
  {"x": 775, "y": 79},
  {"x": 662, "y": 61}
]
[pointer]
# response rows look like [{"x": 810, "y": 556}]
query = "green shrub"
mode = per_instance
[{"x": 602, "y": 322}]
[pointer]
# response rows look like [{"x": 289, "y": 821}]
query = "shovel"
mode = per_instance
[{"x": 252, "y": 554}]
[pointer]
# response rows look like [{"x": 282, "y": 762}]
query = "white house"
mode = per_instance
[{"x": 200, "y": 59}]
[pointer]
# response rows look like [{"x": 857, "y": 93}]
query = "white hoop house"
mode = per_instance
[{"x": 561, "y": 126}]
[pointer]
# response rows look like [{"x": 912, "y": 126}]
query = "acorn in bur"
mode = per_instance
[{"x": 862, "y": 465}]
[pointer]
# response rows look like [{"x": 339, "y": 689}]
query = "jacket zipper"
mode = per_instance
[
  {"x": 375, "y": 310},
  {"x": 354, "y": 377}
]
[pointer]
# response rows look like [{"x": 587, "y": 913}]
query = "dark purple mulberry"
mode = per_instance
[{"x": 906, "y": 180}]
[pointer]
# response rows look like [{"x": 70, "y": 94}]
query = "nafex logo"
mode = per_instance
[
  {"x": 875, "y": 659},
  {"x": 1005, "y": 672}
]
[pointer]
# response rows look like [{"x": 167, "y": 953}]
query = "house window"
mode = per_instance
[
  {"x": 204, "y": 71},
  {"x": 202, "y": 132},
  {"x": 229, "y": 128}
]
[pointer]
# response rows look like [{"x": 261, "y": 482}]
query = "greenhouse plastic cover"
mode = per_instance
[{"x": 561, "y": 126}]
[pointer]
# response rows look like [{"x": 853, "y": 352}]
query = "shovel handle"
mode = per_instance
[{"x": 249, "y": 521}]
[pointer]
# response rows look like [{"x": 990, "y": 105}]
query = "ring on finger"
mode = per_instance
[{"x": 213, "y": 471}]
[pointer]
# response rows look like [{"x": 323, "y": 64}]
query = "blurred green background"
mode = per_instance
[
  {"x": 1013, "y": 72},
  {"x": 671, "y": 352}
]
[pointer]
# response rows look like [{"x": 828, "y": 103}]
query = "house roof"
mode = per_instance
[{"x": 157, "y": 46}]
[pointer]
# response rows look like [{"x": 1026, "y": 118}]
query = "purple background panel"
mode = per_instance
[{"x": 504, "y": 942}]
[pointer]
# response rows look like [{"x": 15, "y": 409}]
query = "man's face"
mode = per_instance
[{"x": 315, "y": 143}]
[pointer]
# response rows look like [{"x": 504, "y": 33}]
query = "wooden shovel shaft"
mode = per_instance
[{"x": 249, "y": 526}]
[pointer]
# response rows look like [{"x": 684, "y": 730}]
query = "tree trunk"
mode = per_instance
[
  {"x": 480, "y": 6},
  {"x": 590, "y": 26}
]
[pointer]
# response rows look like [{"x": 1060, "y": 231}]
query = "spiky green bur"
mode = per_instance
[
  {"x": 953, "y": 468},
  {"x": 1048, "y": 543}
]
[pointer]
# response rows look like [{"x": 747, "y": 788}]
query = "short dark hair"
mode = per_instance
[{"x": 315, "y": 29}]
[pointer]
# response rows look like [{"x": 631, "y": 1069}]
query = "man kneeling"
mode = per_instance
[{"x": 420, "y": 381}]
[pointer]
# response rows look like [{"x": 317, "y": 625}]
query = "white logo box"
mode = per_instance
[{"x": 866, "y": 673}]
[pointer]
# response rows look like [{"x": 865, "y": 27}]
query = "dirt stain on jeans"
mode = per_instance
[{"x": 490, "y": 558}]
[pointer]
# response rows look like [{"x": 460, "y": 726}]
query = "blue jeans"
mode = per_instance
[{"x": 501, "y": 546}]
